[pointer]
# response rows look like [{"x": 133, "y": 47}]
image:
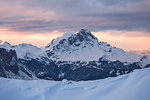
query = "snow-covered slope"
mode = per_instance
[
  {"x": 144, "y": 52},
  {"x": 84, "y": 46},
  {"x": 24, "y": 51},
  {"x": 133, "y": 86}
]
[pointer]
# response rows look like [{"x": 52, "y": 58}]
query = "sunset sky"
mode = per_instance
[{"x": 121, "y": 23}]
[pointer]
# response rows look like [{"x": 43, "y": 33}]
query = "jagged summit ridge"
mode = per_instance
[
  {"x": 75, "y": 46},
  {"x": 74, "y": 38}
]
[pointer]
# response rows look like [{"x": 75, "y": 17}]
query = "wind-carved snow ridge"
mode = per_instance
[{"x": 84, "y": 46}]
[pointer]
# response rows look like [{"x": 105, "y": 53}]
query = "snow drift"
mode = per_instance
[{"x": 133, "y": 86}]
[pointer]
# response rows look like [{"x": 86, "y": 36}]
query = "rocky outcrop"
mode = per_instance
[
  {"x": 41, "y": 68},
  {"x": 8, "y": 62},
  {"x": 9, "y": 67},
  {"x": 93, "y": 70}
]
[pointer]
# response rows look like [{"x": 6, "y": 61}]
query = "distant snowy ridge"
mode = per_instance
[
  {"x": 25, "y": 50},
  {"x": 133, "y": 86}
]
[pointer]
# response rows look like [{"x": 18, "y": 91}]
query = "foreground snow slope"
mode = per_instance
[{"x": 133, "y": 86}]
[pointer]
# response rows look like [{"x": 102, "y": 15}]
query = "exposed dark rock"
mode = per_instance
[
  {"x": 41, "y": 69},
  {"x": 78, "y": 71},
  {"x": 147, "y": 66},
  {"x": 8, "y": 61},
  {"x": 9, "y": 67}
]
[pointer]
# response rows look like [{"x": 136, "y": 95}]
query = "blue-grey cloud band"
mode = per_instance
[{"x": 98, "y": 15}]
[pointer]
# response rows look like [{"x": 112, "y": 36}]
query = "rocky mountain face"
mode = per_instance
[
  {"x": 9, "y": 67},
  {"x": 73, "y": 56},
  {"x": 94, "y": 69},
  {"x": 8, "y": 62},
  {"x": 41, "y": 68}
]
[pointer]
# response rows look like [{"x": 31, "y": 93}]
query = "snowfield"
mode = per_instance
[{"x": 133, "y": 86}]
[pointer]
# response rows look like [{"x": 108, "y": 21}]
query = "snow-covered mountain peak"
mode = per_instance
[
  {"x": 84, "y": 46},
  {"x": 77, "y": 45},
  {"x": 6, "y": 43},
  {"x": 84, "y": 36}
]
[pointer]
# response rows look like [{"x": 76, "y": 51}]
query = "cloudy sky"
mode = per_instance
[{"x": 122, "y": 23}]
